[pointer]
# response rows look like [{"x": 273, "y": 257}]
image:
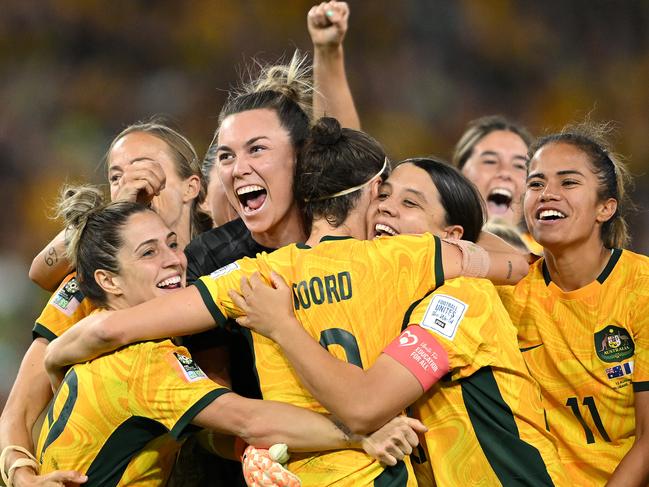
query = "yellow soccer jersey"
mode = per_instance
[
  {"x": 485, "y": 420},
  {"x": 66, "y": 306},
  {"x": 341, "y": 288},
  {"x": 118, "y": 418},
  {"x": 589, "y": 351}
]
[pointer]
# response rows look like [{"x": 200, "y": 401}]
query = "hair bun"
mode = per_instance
[{"x": 326, "y": 131}]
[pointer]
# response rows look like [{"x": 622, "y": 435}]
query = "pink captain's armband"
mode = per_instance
[{"x": 421, "y": 354}]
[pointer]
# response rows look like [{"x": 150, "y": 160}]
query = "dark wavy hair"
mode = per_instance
[{"x": 334, "y": 159}]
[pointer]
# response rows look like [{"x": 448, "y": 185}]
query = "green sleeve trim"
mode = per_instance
[
  {"x": 214, "y": 310},
  {"x": 641, "y": 386},
  {"x": 191, "y": 413},
  {"x": 439, "y": 266},
  {"x": 40, "y": 330},
  {"x": 126, "y": 441},
  {"x": 411, "y": 308}
]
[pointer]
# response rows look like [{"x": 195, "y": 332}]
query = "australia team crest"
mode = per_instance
[{"x": 614, "y": 344}]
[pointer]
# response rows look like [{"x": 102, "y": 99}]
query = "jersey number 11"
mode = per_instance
[{"x": 589, "y": 402}]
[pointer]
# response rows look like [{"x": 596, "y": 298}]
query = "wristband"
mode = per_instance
[
  {"x": 475, "y": 259},
  {"x": 8, "y": 474}
]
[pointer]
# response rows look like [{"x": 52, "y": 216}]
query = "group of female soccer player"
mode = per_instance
[{"x": 343, "y": 294}]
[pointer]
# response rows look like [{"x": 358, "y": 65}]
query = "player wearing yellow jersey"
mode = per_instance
[
  {"x": 458, "y": 357},
  {"x": 32, "y": 391},
  {"x": 149, "y": 162},
  {"x": 117, "y": 418},
  {"x": 340, "y": 279},
  {"x": 581, "y": 312},
  {"x": 66, "y": 306}
]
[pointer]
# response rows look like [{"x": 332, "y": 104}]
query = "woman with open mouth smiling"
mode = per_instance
[
  {"x": 582, "y": 314},
  {"x": 468, "y": 382},
  {"x": 336, "y": 272},
  {"x": 262, "y": 128},
  {"x": 492, "y": 154},
  {"x": 120, "y": 418},
  {"x": 147, "y": 162}
]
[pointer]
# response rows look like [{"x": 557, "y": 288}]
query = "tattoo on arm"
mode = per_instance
[
  {"x": 51, "y": 257},
  {"x": 342, "y": 427},
  {"x": 509, "y": 269}
]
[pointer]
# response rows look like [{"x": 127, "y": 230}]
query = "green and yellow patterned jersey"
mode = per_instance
[
  {"x": 485, "y": 419},
  {"x": 119, "y": 418},
  {"x": 589, "y": 351},
  {"x": 342, "y": 288},
  {"x": 66, "y": 306}
]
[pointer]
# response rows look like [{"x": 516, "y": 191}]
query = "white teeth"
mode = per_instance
[
  {"x": 249, "y": 189},
  {"x": 380, "y": 227},
  {"x": 550, "y": 214},
  {"x": 503, "y": 192},
  {"x": 169, "y": 282}
]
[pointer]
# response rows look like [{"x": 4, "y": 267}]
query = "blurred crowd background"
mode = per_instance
[{"x": 73, "y": 73}]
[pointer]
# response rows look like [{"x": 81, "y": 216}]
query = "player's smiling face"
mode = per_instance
[
  {"x": 256, "y": 161},
  {"x": 561, "y": 204},
  {"x": 497, "y": 167},
  {"x": 150, "y": 262},
  {"x": 408, "y": 202}
]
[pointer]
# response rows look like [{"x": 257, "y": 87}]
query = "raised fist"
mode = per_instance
[{"x": 327, "y": 23}]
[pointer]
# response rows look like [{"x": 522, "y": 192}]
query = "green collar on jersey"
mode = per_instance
[
  {"x": 615, "y": 256},
  {"x": 326, "y": 238}
]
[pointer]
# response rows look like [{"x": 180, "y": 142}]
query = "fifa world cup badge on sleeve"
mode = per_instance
[
  {"x": 68, "y": 298},
  {"x": 190, "y": 369}
]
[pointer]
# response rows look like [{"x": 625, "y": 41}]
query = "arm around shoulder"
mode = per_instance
[{"x": 463, "y": 258}]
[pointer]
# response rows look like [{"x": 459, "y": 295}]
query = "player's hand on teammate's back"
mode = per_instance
[
  {"x": 396, "y": 439},
  {"x": 267, "y": 309},
  {"x": 327, "y": 23}
]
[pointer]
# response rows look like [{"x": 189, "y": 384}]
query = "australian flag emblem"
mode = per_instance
[{"x": 620, "y": 370}]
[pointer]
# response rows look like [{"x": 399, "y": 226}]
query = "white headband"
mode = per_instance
[{"x": 350, "y": 190}]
